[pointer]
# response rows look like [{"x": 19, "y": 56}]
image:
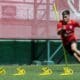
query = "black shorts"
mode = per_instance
[{"x": 68, "y": 47}]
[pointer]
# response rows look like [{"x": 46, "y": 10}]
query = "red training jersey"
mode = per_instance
[{"x": 68, "y": 35}]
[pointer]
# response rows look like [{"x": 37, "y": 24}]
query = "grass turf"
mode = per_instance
[{"x": 32, "y": 72}]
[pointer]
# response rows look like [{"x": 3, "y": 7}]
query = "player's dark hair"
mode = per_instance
[{"x": 66, "y": 12}]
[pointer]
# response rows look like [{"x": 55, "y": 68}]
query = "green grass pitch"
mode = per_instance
[{"x": 33, "y": 71}]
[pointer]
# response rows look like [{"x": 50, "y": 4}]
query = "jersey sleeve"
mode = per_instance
[
  {"x": 59, "y": 26},
  {"x": 76, "y": 24}
]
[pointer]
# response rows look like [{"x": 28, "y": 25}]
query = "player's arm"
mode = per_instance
[
  {"x": 76, "y": 24},
  {"x": 60, "y": 28}
]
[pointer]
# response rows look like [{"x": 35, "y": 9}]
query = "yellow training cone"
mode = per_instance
[
  {"x": 67, "y": 71},
  {"x": 20, "y": 72},
  {"x": 46, "y": 71},
  {"x": 2, "y": 71}
]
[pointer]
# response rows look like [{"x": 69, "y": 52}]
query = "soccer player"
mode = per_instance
[{"x": 66, "y": 28}]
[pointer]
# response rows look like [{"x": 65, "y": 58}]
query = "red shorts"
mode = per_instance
[{"x": 68, "y": 47}]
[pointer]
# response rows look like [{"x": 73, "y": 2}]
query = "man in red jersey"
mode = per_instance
[{"x": 65, "y": 29}]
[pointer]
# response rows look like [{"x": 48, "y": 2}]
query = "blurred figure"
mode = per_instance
[{"x": 66, "y": 28}]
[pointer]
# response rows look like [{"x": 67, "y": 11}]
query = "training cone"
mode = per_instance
[
  {"x": 2, "y": 71},
  {"x": 20, "y": 72},
  {"x": 46, "y": 71},
  {"x": 67, "y": 71}
]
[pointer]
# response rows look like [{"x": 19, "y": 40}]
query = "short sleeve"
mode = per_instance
[
  {"x": 59, "y": 26},
  {"x": 76, "y": 24}
]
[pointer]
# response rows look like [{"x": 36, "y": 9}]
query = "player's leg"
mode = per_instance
[
  {"x": 76, "y": 56},
  {"x": 74, "y": 48}
]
